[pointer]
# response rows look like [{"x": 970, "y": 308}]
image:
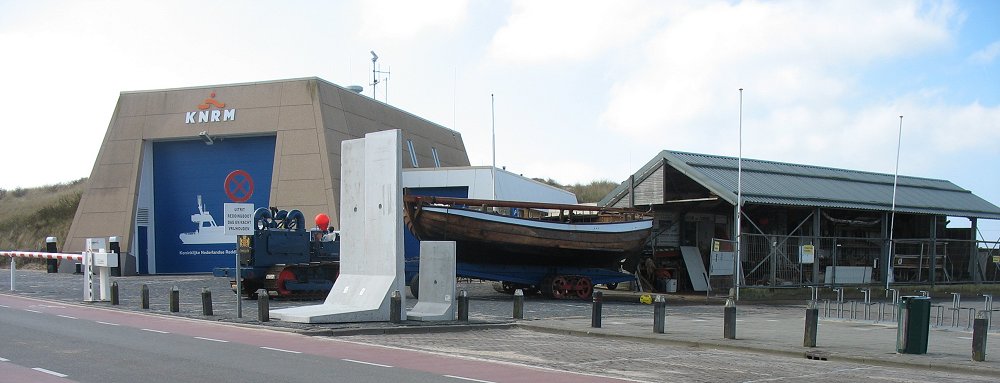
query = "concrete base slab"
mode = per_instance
[{"x": 355, "y": 298}]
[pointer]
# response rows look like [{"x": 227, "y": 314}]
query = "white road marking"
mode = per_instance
[
  {"x": 156, "y": 331},
  {"x": 278, "y": 349},
  {"x": 964, "y": 337},
  {"x": 33, "y": 311},
  {"x": 108, "y": 323},
  {"x": 67, "y": 316},
  {"x": 368, "y": 363},
  {"x": 699, "y": 320},
  {"x": 469, "y": 379},
  {"x": 50, "y": 372},
  {"x": 5, "y": 306},
  {"x": 212, "y": 340},
  {"x": 4, "y": 360}
]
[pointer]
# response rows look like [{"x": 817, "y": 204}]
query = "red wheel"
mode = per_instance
[
  {"x": 583, "y": 288},
  {"x": 560, "y": 287},
  {"x": 283, "y": 277}
]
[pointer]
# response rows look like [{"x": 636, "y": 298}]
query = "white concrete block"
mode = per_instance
[
  {"x": 437, "y": 282},
  {"x": 371, "y": 258}
]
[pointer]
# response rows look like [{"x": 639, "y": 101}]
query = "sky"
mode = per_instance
[{"x": 581, "y": 90}]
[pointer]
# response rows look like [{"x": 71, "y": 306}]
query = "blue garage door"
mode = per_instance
[{"x": 191, "y": 182}]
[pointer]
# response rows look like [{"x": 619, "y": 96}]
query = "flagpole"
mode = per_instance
[
  {"x": 737, "y": 272},
  {"x": 493, "y": 118},
  {"x": 892, "y": 221}
]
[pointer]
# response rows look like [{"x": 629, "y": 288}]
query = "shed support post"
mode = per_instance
[
  {"x": 974, "y": 252},
  {"x": 932, "y": 272},
  {"x": 816, "y": 244}
]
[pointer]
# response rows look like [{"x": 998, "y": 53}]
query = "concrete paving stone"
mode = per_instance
[{"x": 693, "y": 322}]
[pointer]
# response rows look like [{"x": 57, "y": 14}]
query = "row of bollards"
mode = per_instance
[{"x": 263, "y": 303}]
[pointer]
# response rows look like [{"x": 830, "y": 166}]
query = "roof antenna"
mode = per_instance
[{"x": 375, "y": 73}]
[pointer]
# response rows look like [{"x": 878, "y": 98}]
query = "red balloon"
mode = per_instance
[{"x": 322, "y": 221}]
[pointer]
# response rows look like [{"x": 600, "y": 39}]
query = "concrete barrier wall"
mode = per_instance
[{"x": 371, "y": 259}]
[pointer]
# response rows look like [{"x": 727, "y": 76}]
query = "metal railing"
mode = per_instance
[{"x": 774, "y": 260}]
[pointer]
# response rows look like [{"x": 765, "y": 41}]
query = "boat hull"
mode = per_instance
[{"x": 490, "y": 238}]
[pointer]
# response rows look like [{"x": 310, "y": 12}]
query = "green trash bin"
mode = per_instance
[{"x": 914, "y": 322}]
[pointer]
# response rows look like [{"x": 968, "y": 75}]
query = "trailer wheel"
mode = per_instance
[
  {"x": 583, "y": 288},
  {"x": 415, "y": 286},
  {"x": 611, "y": 286},
  {"x": 560, "y": 287}
]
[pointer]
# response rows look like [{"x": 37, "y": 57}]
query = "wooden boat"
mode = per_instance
[{"x": 511, "y": 233}]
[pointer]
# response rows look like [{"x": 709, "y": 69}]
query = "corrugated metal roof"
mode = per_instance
[{"x": 786, "y": 184}]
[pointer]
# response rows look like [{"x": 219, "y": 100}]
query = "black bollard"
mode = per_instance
[
  {"x": 595, "y": 313},
  {"x": 175, "y": 300},
  {"x": 463, "y": 306},
  {"x": 979, "y": 329},
  {"x": 115, "y": 247},
  {"x": 114, "y": 293},
  {"x": 144, "y": 297},
  {"x": 518, "y": 304},
  {"x": 812, "y": 324},
  {"x": 206, "y": 301},
  {"x": 729, "y": 320},
  {"x": 51, "y": 265},
  {"x": 659, "y": 315},
  {"x": 263, "y": 306},
  {"x": 396, "y": 307}
]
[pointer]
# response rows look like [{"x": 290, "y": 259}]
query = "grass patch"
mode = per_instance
[{"x": 28, "y": 215}]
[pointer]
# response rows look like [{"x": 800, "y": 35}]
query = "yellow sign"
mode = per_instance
[
  {"x": 715, "y": 246},
  {"x": 646, "y": 299},
  {"x": 996, "y": 259}
]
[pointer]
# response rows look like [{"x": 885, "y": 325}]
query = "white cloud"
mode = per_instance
[
  {"x": 987, "y": 54},
  {"x": 540, "y": 31},
  {"x": 402, "y": 19},
  {"x": 801, "y": 64}
]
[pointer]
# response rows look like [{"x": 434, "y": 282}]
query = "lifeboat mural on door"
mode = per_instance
[{"x": 192, "y": 182}]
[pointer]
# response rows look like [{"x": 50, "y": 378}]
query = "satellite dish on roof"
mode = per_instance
[{"x": 355, "y": 88}]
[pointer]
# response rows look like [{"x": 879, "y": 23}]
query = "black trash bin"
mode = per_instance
[{"x": 914, "y": 322}]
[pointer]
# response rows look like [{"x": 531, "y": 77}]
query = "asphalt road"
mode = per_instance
[{"x": 42, "y": 340}]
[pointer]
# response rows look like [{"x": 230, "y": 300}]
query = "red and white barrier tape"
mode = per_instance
[{"x": 28, "y": 254}]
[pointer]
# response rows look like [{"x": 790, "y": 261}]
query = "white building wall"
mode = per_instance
[{"x": 479, "y": 180}]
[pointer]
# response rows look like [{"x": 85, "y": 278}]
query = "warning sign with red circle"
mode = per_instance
[{"x": 239, "y": 186}]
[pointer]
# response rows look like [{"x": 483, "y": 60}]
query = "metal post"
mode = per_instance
[
  {"x": 729, "y": 320},
  {"x": 463, "y": 306},
  {"x": 979, "y": 330},
  {"x": 175, "y": 300},
  {"x": 144, "y": 296},
  {"x": 263, "y": 306},
  {"x": 396, "y": 307},
  {"x": 239, "y": 287},
  {"x": 114, "y": 293},
  {"x": 518, "y": 304},
  {"x": 13, "y": 272},
  {"x": 659, "y": 315},
  {"x": 206, "y": 301},
  {"x": 595, "y": 313},
  {"x": 812, "y": 324}
]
